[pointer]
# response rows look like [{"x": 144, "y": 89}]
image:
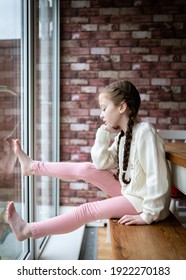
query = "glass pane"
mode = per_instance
[
  {"x": 45, "y": 100},
  {"x": 10, "y": 119}
]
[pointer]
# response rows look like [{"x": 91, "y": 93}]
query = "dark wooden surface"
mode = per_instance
[{"x": 164, "y": 240}]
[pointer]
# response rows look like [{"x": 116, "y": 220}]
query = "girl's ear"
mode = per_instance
[{"x": 123, "y": 107}]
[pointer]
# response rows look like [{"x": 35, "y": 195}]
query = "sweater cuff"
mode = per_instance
[{"x": 148, "y": 218}]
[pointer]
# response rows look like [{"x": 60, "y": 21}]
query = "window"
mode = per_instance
[
  {"x": 45, "y": 140},
  {"x": 11, "y": 89},
  {"x": 28, "y": 111}
]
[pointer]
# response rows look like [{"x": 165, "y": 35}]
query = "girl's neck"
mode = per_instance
[{"x": 124, "y": 126}]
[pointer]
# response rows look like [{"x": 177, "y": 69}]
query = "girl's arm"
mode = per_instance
[
  {"x": 154, "y": 164},
  {"x": 103, "y": 155}
]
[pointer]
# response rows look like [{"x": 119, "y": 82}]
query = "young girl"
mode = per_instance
[{"x": 138, "y": 191}]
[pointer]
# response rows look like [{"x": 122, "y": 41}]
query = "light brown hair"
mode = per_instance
[{"x": 124, "y": 91}]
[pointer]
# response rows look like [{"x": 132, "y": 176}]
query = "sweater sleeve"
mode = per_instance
[
  {"x": 103, "y": 155},
  {"x": 154, "y": 165}
]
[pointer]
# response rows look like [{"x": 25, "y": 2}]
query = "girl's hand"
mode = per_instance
[
  {"x": 132, "y": 220},
  {"x": 111, "y": 129}
]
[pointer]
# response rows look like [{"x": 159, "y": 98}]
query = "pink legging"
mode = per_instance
[{"x": 114, "y": 207}]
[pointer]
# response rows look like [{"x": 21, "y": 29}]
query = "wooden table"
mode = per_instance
[{"x": 176, "y": 154}]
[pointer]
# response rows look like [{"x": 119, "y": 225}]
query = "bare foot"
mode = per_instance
[
  {"x": 25, "y": 161},
  {"x": 20, "y": 228},
  {"x": 9, "y": 159}
]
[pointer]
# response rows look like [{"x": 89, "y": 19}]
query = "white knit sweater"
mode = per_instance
[{"x": 149, "y": 188}]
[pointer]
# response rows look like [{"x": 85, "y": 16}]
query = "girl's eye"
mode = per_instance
[{"x": 104, "y": 109}]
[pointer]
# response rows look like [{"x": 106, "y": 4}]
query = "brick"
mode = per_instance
[
  {"x": 78, "y": 82},
  {"x": 140, "y": 50},
  {"x": 141, "y": 34},
  {"x": 89, "y": 27},
  {"x": 145, "y": 97},
  {"x": 109, "y": 27},
  {"x": 168, "y": 105},
  {"x": 168, "y": 58},
  {"x": 80, "y": 66},
  {"x": 71, "y": 44},
  {"x": 78, "y": 186},
  {"x": 107, "y": 43},
  {"x": 79, "y": 157},
  {"x": 149, "y": 119},
  {"x": 121, "y": 50},
  {"x": 163, "y": 18},
  {"x": 109, "y": 74},
  {"x": 69, "y": 59},
  {"x": 129, "y": 74},
  {"x": 168, "y": 73},
  {"x": 164, "y": 120},
  {"x": 160, "y": 81},
  {"x": 100, "y": 51},
  {"x": 140, "y": 82},
  {"x": 76, "y": 112},
  {"x": 85, "y": 150},
  {"x": 81, "y": 142},
  {"x": 77, "y": 200},
  {"x": 150, "y": 58},
  {"x": 80, "y": 36},
  {"x": 88, "y": 89},
  {"x": 120, "y": 35},
  {"x": 129, "y": 11},
  {"x": 179, "y": 66},
  {"x": 182, "y": 105},
  {"x": 72, "y": 27},
  {"x": 178, "y": 82},
  {"x": 88, "y": 75},
  {"x": 95, "y": 112},
  {"x": 75, "y": 51},
  {"x": 136, "y": 66},
  {"x": 79, "y": 20},
  {"x": 79, "y": 127},
  {"x": 176, "y": 89},
  {"x": 68, "y": 119},
  {"x": 80, "y": 4},
  {"x": 129, "y": 26},
  {"x": 171, "y": 42},
  {"x": 109, "y": 11}
]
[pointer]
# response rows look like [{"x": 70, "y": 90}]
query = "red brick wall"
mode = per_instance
[{"x": 102, "y": 41}]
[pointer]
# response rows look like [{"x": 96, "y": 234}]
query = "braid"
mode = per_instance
[
  {"x": 116, "y": 176},
  {"x": 127, "y": 147}
]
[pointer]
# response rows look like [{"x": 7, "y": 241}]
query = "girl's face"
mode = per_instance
[{"x": 110, "y": 113}]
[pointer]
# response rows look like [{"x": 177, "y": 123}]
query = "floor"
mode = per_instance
[{"x": 104, "y": 245}]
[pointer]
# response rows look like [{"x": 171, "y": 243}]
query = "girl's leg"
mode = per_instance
[
  {"x": 114, "y": 207},
  {"x": 75, "y": 171},
  {"x": 70, "y": 171}
]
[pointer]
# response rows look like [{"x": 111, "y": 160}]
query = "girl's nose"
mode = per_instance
[{"x": 101, "y": 116}]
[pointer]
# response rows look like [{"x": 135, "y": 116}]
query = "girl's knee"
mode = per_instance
[
  {"x": 87, "y": 166},
  {"x": 86, "y": 169},
  {"x": 88, "y": 212}
]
